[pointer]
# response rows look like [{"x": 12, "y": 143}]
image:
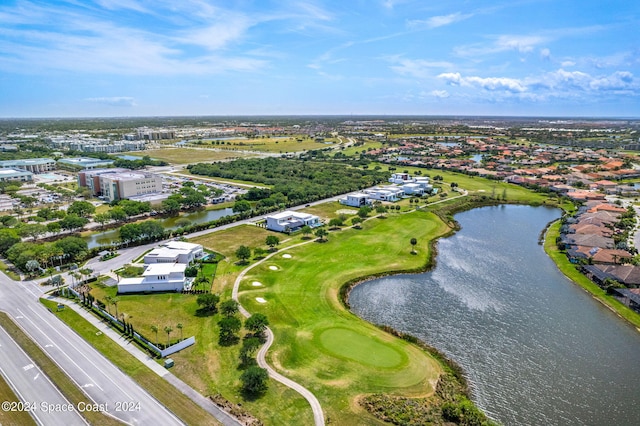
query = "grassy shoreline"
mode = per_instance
[{"x": 578, "y": 278}]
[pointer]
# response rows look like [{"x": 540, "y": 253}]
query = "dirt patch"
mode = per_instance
[{"x": 235, "y": 410}]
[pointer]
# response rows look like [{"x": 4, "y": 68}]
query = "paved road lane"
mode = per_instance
[
  {"x": 38, "y": 395},
  {"x": 103, "y": 382}
]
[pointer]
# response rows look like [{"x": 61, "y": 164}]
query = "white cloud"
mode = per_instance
[
  {"x": 560, "y": 83},
  {"x": 439, "y": 21},
  {"x": 418, "y": 68},
  {"x": 122, "y": 4},
  {"x": 440, "y": 94},
  {"x": 114, "y": 101},
  {"x": 452, "y": 78},
  {"x": 502, "y": 43},
  {"x": 76, "y": 40},
  {"x": 545, "y": 54},
  {"x": 566, "y": 64}
]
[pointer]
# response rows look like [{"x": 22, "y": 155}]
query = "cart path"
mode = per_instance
[{"x": 318, "y": 415}]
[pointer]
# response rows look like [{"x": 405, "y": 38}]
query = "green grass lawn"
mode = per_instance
[
  {"x": 188, "y": 155},
  {"x": 569, "y": 269},
  {"x": 475, "y": 184},
  {"x": 324, "y": 346},
  {"x": 183, "y": 407},
  {"x": 289, "y": 144}
]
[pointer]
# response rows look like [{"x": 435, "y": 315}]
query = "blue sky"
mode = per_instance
[{"x": 206, "y": 57}]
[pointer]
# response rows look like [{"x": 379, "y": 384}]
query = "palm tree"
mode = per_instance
[
  {"x": 114, "y": 301},
  {"x": 413, "y": 245},
  {"x": 168, "y": 329},
  {"x": 109, "y": 300},
  {"x": 179, "y": 327},
  {"x": 154, "y": 328}
]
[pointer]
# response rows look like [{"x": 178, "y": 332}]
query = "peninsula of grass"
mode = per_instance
[
  {"x": 178, "y": 403},
  {"x": 571, "y": 272},
  {"x": 322, "y": 345},
  {"x": 70, "y": 391}
]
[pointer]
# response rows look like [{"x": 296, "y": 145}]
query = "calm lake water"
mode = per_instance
[{"x": 537, "y": 350}]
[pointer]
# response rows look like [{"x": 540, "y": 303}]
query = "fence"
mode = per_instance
[{"x": 137, "y": 336}]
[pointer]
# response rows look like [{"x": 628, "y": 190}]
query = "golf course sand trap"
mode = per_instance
[
  {"x": 286, "y": 256},
  {"x": 260, "y": 300},
  {"x": 256, "y": 283},
  {"x": 273, "y": 268}
]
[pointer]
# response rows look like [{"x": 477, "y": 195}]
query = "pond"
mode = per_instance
[{"x": 535, "y": 347}]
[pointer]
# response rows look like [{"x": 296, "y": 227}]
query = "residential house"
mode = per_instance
[
  {"x": 290, "y": 221},
  {"x": 175, "y": 252},
  {"x": 155, "y": 278},
  {"x": 357, "y": 199}
]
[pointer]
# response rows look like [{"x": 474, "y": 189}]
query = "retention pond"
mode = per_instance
[{"x": 535, "y": 347}]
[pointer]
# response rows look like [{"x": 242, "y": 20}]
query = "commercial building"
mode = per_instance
[
  {"x": 120, "y": 184},
  {"x": 33, "y": 165},
  {"x": 15, "y": 174},
  {"x": 123, "y": 185},
  {"x": 91, "y": 178},
  {"x": 84, "y": 163},
  {"x": 291, "y": 221}
]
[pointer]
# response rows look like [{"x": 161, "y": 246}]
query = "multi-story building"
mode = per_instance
[
  {"x": 15, "y": 174},
  {"x": 83, "y": 163},
  {"x": 123, "y": 185},
  {"x": 91, "y": 178},
  {"x": 33, "y": 165}
]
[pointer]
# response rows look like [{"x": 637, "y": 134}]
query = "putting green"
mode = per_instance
[{"x": 345, "y": 343}]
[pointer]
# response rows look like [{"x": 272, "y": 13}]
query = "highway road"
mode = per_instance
[
  {"x": 38, "y": 396},
  {"x": 100, "y": 380}
]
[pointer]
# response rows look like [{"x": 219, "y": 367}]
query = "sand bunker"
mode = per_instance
[
  {"x": 260, "y": 300},
  {"x": 286, "y": 256},
  {"x": 256, "y": 283},
  {"x": 273, "y": 268}
]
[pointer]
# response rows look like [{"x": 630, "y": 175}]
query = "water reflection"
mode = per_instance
[{"x": 536, "y": 348}]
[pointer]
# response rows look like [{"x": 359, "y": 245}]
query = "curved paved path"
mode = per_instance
[{"x": 318, "y": 415}]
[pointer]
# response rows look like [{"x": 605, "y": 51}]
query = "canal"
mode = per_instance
[
  {"x": 536, "y": 348},
  {"x": 203, "y": 216}
]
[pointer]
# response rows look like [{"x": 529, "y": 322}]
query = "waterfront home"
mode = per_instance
[
  {"x": 291, "y": 221},
  {"x": 629, "y": 296},
  {"x": 628, "y": 275}
]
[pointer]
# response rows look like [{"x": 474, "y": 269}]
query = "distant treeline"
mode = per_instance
[{"x": 300, "y": 181}]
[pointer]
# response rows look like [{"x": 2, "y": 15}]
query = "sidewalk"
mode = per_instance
[{"x": 222, "y": 416}]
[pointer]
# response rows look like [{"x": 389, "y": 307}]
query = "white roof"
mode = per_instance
[
  {"x": 358, "y": 195},
  {"x": 165, "y": 252},
  {"x": 164, "y": 268},
  {"x": 289, "y": 213},
  {"x": 181, "y": 245}
]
